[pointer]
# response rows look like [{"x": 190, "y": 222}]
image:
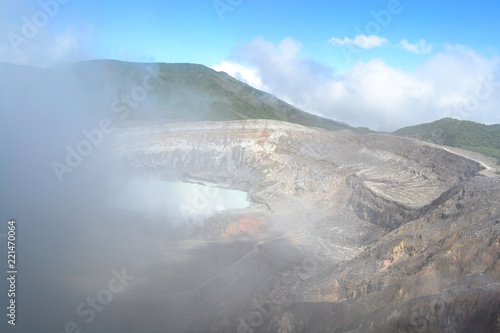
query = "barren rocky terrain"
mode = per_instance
[{"x": 345, "y": 232}]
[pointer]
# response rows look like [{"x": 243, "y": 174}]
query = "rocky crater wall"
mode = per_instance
[
  {"x": 430, "y": 263},
  {"x": 391, "y": 180}
]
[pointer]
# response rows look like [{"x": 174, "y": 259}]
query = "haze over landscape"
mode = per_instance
[{"x": 246, "y": 166}]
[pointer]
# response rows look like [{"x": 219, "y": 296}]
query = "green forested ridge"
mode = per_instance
[
  {"x": 463, "y": 134},
  {"x": 192, "y": 92}
]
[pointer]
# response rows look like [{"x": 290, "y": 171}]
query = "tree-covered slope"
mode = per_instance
[
  {"x": 191, "y": 92},
  {"x": 451, "y": 132}
]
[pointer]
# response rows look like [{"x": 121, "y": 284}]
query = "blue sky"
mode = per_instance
[
  {"x": 331, "y": 45},
  {"x": 194, "y": 31}
]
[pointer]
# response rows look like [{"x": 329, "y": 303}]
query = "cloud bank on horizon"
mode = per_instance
[
  {"x": 383, "y": 64},
  {"x": 454, "y": 82}
]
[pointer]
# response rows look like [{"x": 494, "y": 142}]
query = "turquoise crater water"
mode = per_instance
[{"x": 177, "y": 199}]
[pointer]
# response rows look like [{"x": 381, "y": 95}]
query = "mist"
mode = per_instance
[
  {"x": 130, "y": 219},
  {"x": 154, "y": 188},
  {"x": 81, "y": 221}
]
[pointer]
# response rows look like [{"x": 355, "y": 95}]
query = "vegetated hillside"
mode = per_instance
[
  {"x": 451, "y": 132},
  {"x": 191, "y": 92}
]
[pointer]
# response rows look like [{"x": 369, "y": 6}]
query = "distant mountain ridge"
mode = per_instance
[
  {"x": 464, "y": 134},
  {"x": 188, "y": 92}
]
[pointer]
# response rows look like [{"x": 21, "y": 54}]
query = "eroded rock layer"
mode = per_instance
[{"x": 355, "y": 233}]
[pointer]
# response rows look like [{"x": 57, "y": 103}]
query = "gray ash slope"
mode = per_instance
[{"x": 354, "y": 233}]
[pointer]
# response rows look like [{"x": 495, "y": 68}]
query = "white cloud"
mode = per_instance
[
  {"x": 420, "y": 47},
  {"x": 363, "y": 41},
  {"x": 457, "y": 82},
  {"x": 278, "y": 64},
  {"x": 248, "y": 75}
]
